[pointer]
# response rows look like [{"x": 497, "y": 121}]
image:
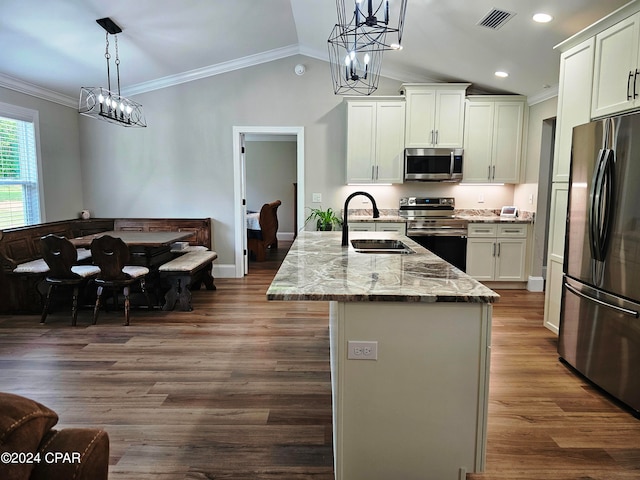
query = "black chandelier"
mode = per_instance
[
  {"x": 104, "y": 104},
  {"x": 358, "y": 40}
]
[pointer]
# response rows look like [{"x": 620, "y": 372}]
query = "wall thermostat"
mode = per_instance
[{"x": 509, "y": 212}]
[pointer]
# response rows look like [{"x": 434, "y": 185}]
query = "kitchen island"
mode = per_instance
[{"x": 410, "y": 395}]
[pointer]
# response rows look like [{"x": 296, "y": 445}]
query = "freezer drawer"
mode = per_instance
[{"x": 600, "y": 337}]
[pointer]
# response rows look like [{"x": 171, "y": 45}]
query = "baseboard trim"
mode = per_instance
[
  {"x": 224, "y": 271},
  {"x": 535, "y": 284}
]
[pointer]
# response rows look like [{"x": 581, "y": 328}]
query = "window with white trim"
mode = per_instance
[{"x": 19, "y": 185}]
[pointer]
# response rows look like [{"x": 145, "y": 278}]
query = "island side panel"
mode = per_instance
[{"x": 419, "y": 411}]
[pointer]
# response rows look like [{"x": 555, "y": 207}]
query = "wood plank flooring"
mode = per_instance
[{"x": 240, "y": 389}]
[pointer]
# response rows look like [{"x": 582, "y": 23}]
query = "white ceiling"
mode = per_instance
[{"x": 58, "y": 46}]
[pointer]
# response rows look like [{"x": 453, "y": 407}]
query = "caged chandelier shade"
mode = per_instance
[
  {"x": 358, "y": 40},
  {"x": 105, "y": 104}
]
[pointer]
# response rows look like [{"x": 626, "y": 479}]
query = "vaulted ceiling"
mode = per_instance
[{"x": 57, "y": 45}]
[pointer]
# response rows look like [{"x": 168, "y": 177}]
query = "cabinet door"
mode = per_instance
[
  {"x": 361, "y": 141},
  {"x": 510, "y": 259},
  {"x": 574, "y": 102},
  {"x": 390, "y": 142},
  {"x": 480, "y": 258},
  {"x": 553, "y": 296},
  {"x": 616, "y": 60},
  {"x": 507, "y": 141},
  {"x": 478, "y": 137},
  {"x": 449, "y": 120},
  {"x": 420, "y": 126}
]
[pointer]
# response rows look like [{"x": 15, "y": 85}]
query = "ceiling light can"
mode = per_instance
[{"x": 299, "y": 69}]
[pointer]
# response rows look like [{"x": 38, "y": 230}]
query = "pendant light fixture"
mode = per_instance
[
  {"x": 358, "y": 40},
  {"x": 103, "y": 103}
]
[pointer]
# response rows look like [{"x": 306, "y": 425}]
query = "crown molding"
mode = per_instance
[
  {"x": 35, "y": 91},
  {"x": 211, "y": 70},
  {"x": 543, "y": 95}
]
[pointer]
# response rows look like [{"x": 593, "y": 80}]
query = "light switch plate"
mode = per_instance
[{"x": 316, "y": 197}]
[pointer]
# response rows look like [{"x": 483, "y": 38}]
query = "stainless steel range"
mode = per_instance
[{"x": 432, "y": 223}]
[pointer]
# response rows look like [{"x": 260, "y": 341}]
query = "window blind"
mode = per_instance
[{"x": 19, "y": 193}]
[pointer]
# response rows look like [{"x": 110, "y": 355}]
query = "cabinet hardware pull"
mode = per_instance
[
  {"x": 372, "y": 172},
  {"x": 377, "y": 172},
  {"x": 494, "y": 249},
  {"x": 629, "y": 85},
  {"x": 436, "y": 142},
  {"x": 635, "y": 80},
  {"x": 432, "y": 138},
  {"x": 489, "y": 173},
  {"x": 494, "y": 173},
  {"x": 498, "y": 249}
]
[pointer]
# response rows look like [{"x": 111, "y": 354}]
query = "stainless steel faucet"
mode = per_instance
[{"x": 345, "y": 225}]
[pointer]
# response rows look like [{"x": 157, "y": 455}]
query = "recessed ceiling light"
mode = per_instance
[
  {"x": 542, "y": 18},
  {"x": 501, "y": 74}
]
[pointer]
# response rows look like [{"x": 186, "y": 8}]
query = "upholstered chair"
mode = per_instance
[{"x": 26, "y": 427}]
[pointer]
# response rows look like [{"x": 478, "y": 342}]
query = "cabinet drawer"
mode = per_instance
[
  {"x": 391, "y": 227},
  {"x": 513, "y": 231},
  {"x": 362, "y": 227},
  {"x": 482, "y": 230}
]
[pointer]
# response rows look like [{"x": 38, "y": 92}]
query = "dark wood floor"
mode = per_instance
[{"x": 240, "y": 389}]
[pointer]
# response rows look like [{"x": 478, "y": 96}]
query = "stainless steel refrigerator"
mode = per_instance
[{"x": 600, "y": 325}]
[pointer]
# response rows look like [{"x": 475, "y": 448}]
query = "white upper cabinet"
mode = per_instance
[
  {"x": 375, "y": 141},
  {"x": 574, "y": 108},
  {"x": 616, "y": 79},
  {"x": 435, "y": 114},
  {"x": 493, "y": 138}
]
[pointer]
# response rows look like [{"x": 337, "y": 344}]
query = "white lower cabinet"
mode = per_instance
[
  {"x": 497, "y": 252},
  {"x": 398, "y": 227}
]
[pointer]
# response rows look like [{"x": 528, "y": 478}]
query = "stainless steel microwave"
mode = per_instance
[{"x": 433, "y": 164}]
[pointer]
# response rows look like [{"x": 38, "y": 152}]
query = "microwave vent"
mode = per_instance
[{"x": 495, "y": 19}]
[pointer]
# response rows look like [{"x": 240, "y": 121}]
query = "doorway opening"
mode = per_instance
[{"x": 242, "y": 135}]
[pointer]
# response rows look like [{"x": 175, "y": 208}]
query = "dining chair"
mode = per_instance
[
  {"x": 61, "y": 257},
  {"x": 111, "y": 254}
]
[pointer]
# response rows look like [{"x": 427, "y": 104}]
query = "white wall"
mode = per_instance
[
  {"x": 60, "y": 155},
  {"x": 538, "y": 192},
  {"x": 270, "y": 175}
]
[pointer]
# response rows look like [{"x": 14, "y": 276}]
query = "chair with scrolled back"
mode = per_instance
[
  {"x": 258, "y": 241},
  {"x": 61, "y": 257},
  {"x": 112, "y": 254}
]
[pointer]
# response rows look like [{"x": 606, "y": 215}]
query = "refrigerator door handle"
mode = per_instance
[
  {"x": 601, "y": 204},
  {"x": 626, "y": 311}
]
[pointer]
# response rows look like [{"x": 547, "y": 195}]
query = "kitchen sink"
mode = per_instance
[{"x": 379, "y": 245}]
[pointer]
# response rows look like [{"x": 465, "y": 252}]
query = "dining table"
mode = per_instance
[{"x": 148, "y": 249}]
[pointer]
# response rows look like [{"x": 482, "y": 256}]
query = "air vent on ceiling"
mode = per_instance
[{"x": 495, "y": 19}]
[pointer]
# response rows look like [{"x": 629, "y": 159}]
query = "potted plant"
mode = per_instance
[{"x": 325, "y": 219}]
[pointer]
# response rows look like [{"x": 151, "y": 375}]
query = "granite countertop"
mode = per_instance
[{"x": 317, "y": 267}]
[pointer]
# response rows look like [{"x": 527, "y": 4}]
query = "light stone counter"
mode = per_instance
[{"x": 318, "y": 268}]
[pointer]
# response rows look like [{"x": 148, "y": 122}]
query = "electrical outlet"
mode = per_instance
[
  {"x": 531, "y": 199},
  {"x": 362, "y": 350},
  {"x": 481, "y": 198},
  {"x": 316, "y": 197}
]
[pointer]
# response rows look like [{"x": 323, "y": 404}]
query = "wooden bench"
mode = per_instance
[
  {"x": 185, "y": 273},
  {"x": 22, "y": 269}
]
